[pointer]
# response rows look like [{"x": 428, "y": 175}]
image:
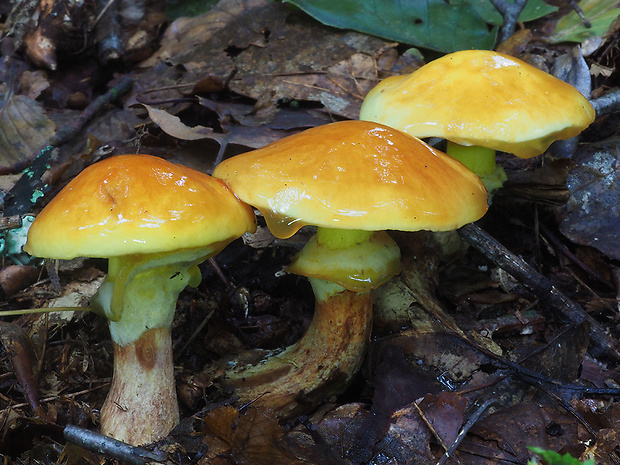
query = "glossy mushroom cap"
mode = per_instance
[
  {"x": 355, "y": 175},
  {"x": 482, "y": 98},
  {"x": 137, "y": 204}
]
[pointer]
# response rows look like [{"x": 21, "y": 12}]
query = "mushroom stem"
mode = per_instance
[
  {"x": 480, "y": 161},
  {"x": 155, "y": 221},
  {"x": 320, "y": 364},
  {"x": 343, "y": 266},
  {"x": 141, "y": 406}
]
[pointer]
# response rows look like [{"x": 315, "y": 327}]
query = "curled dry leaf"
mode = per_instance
[
  {"x": 17, "y": 344},
  {"x": 253, "y": 137},
  {"x": 173, "y": 126},
  {"x": 14, "y": 278}
]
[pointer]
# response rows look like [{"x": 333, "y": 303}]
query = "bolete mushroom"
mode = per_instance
[
  {"x": 155, "y": 221},
  {"x": 354, "y": 180},
  {"x": 481, "y": 101}
]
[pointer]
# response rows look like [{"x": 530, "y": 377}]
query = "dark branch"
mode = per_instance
[
  {"x": 510, "y": 13},
  {"x": 601, "y": 341},
  {"x": 102, "y": 444}
]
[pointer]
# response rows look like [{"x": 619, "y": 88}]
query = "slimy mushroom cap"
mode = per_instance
[
  {"x": 481, "y": 98},
  {"x": 355, "y": 175},
  {"x": 137, "y": 204}
]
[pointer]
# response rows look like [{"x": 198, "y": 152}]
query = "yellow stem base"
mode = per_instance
[{"x": 318, "y": 366}]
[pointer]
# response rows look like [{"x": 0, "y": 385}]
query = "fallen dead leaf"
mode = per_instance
[
  {"x": 269, "y": 52},
  {"x": 255, "y": 437},
  {"x": 24, "y": 129},
  {"x": 590, "y": 216},
  {"x": 173, "y": 126},
  {"x": 506, "y": 434}
]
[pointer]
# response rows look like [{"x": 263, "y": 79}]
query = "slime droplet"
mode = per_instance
[{"x": 282, "y": 226}]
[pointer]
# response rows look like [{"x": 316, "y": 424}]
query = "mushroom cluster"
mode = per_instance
[
  {"x": 154, "y": 221},
  {"x": 481, "y": 101},
  {"x": 353, "y": 180}
]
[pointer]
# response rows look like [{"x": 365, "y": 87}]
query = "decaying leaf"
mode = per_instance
[
  {"x": 591, "y": 216},
  {"x": 407, "y": 439},
  {"x": 445, "y": 413},
  {"x": 19, "y": 433},
  {"x": 190, "y": 37},
  {"x": 605, "y": 448},
  {"x": 555, "y": 360},
  {"x": 243, "y": 125},
  {"x": 506, "y": 434},
  {"x": 33, "y": 83},
  {"x": 246, "y": 136},
  {"x": 396, "y": 384},
  {"x": 255, "y": 438},
  {"x": 24, "y": 129},
  {"x": 48, "y": 28},
  {"x": 268, "y": 52}
]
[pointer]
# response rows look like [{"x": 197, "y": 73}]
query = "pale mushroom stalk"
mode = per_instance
[
  {"x": 154, "y": 221},
  {"x": 139, "y": 298},
  {"x": 343, "y": 267}
]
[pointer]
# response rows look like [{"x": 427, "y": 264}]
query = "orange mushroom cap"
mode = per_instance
[
  {"x": 137, "y": 204},
  {"x": 355, "y": 175},
  {"x": 483, "y": 98}
]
